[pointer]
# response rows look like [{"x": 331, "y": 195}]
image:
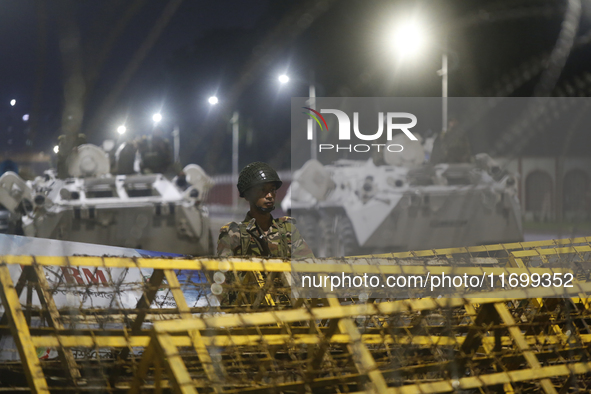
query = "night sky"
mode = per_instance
[{"x": 237, "y": 48}]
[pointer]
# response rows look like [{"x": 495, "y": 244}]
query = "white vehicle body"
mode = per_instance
[
  {"x": 133, "y": 211},
  {"x": 355, "y": 207}
]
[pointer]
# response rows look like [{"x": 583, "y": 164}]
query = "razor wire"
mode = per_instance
[{"x": 228, "y": 325}]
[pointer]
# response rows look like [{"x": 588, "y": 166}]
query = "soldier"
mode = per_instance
[
  {"x": 260, "y": 234},
  {"x": 452, "y": 146},
  {"x": 125, "y": 158},
  {"x": 155, "y": 152}
]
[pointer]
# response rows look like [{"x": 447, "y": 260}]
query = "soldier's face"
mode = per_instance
[{"x": 262, "y": 196}]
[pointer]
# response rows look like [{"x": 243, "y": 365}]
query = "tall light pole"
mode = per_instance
[
  {"x": 409, "y": 39},
  {"x": 312, "y": 102},
  {"x": 443, "y": 74},
  {"x": 235, "y": 135},
  {"x": 283, "y": 79},
  {"x": 213, "y": 100},
  {"x": 176, "y": 136}
]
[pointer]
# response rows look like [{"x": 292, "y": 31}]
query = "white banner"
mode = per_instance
[{"x": 92, "y": 287}]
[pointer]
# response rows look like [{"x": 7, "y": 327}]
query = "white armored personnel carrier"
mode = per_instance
[
  {"x": 140, "y": 211},
  {"x": 355, "y": 207}
]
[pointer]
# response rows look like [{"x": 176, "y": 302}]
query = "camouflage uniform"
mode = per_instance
[{"x": 247, "y": 239}]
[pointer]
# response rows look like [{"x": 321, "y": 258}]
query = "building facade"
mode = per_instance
[{"x": 553, "y": 188}]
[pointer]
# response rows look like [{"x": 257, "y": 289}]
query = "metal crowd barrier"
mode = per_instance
[{"x": 108, "y": 324}]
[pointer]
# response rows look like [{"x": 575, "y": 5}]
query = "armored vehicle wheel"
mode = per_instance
[{"x": 338, "y": 237}]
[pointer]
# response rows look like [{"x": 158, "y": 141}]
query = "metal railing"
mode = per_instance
[{"x": 113, "y": 324}]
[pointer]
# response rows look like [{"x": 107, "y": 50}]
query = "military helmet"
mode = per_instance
[{"x": 256, "y": 173}]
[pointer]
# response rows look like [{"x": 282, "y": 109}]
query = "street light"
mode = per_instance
[
  {"x": 12, "y": 102},
  {"x": 408, "y": 40},
  {"x": 283, "y": 79},
  {"x": 443, "y": 74},
  {"x": 176, "y": 135},
  {"x": 235, "y": 141},
  {"x": 121, "y": 129},
  {"x": 157, "y": 117},
  {"x": 213, "y": 100},
  {"x": 56, "y": 149}
]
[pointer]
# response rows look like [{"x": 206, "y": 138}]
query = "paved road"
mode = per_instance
[{"x": 528, "y": 236}]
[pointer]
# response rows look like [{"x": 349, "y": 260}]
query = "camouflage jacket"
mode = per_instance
[{"x": 247, "y": 239}]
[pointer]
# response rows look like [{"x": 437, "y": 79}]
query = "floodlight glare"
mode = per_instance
[
  {"x": 409, "y": 39},
  {"x": 213, "y": 100},
  {"x": 12, "y": 102},
  {"x": 56, "y": 149},
  {"x": 157, "y": 117},
  {"x": 283, "y": 79},
  {"x": 121, "y": 129}
]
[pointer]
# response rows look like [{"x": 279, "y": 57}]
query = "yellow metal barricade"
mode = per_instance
[{"x": 110, "y": 324}]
